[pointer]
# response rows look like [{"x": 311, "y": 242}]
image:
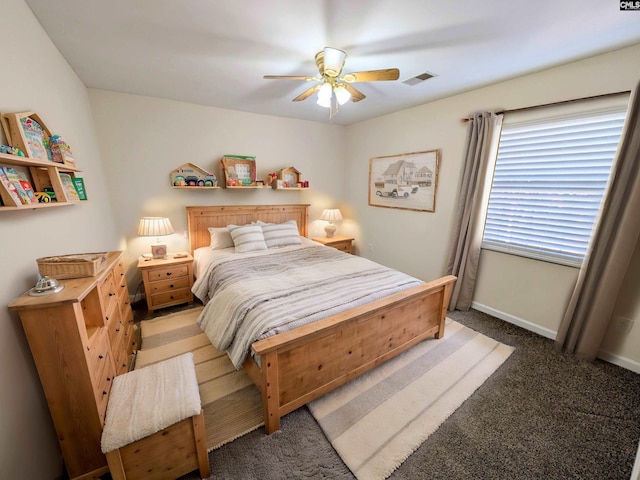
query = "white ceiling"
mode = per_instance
[{"x": 215, "y": 52}]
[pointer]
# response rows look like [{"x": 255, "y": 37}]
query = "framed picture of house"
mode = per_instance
[{"x": 407, "y": 181}]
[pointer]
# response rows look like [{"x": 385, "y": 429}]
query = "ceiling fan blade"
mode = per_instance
[
  {"x": 290, "y": 77},
  {"x": 373, "y": 75},
  {"x": 306, "y": 94},
  {"x": 356, "y": 95}
]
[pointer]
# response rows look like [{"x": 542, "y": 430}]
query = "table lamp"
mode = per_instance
[
  {"x": 155, "y": 227},
  {"x": 331, "y": 215}
]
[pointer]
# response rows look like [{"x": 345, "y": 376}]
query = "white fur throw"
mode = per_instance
[{"x": 143, "y": 402}]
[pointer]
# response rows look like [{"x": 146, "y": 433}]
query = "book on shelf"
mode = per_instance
[
  {"x": 9, "y": 187},
  {"x": 78, "y": 183},
  {"x": 26, "y": 185},
  {"x": 67, "y": 183},
  {"x": 19, "y": 184}
]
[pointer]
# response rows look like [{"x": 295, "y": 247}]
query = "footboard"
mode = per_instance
[{"x": 303, "y": 364}]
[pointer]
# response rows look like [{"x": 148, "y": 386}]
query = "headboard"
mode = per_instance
[{"x": 199, "y": 219}]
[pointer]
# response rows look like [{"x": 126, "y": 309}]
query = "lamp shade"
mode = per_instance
[
  {"x": 154, "y": 227},
  {"x": 331, "y": 215},
  {"x": 342, "y": 94}
]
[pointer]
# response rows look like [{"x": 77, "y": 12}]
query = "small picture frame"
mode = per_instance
[
  {"x": 158, "y": 251},
  {"x": 239, "y": 170}
]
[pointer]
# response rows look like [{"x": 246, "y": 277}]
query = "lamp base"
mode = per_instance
[
  {"x": 158, "y": 251},
  {"x": 330, "y": 229}
]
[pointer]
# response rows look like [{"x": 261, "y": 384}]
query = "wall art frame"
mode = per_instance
[
  {"x": 239, "y": 170},
  {"x": 406, "y": 181}
]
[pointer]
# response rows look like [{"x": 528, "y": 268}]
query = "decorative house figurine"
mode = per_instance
[
  {"x": 190, "y": 175},
  {"x": 289, "y": 177}
]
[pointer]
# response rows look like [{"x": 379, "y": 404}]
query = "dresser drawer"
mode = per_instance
[
  {"x": 108, "y": 294},
  {"x": 118, "y": 275},
  {"x": 120, "y": 353},
  {"x": 102, "y": 388},
  {"x": 158, "y": 274},
  {"x": 117, "y": 328},
  {"x": 97, "y": 348}
]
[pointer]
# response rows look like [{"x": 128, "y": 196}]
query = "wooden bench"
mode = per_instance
[{"x": 154, "y": 427}]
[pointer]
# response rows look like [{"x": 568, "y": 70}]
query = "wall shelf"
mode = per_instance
[{"x": 43, "y": 173}]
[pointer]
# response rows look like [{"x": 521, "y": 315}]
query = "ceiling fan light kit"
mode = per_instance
[{"x": 330, "y": 62}]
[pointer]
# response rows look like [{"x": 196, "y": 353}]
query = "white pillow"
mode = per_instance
[
  {"x": 281, "y": 234},
  {"x": 247, "y": 238},
  {"x": 220, "y": 238}
]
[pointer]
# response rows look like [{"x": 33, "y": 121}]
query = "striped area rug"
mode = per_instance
[
  {"x": 232, "y": 404},
  {"x": 377, "y": 420}
]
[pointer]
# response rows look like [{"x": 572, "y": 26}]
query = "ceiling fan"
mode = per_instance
[{"x": 330, "y": 62}]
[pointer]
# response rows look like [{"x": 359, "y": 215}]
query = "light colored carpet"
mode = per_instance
[
  {"x": 232, "y": 404},
  {"x": 377, "y": 420}
]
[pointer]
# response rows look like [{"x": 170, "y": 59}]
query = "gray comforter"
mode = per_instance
[{"x": 251, "y": 297}]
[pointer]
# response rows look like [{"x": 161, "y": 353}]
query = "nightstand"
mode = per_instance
[
  {"x": 339, "y": 242},
  {"x": 167, "y": 281}
]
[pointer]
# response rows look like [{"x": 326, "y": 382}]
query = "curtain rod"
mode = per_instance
[{"x": 562, "y": 102}]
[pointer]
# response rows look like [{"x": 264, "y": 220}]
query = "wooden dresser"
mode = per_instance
[{"x": 80, "y": 338}]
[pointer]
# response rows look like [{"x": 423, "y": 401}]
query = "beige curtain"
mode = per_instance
[
  {"x": 614, "y": 241},
  {"x": 483, "y": 136}
]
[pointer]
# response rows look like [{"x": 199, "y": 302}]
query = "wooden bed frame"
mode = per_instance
[{"x": 309, "y": 361}]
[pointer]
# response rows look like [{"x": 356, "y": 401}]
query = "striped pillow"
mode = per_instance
[
  {"x": 281, "y": 234},
  {"x": 247, "y": 238}
]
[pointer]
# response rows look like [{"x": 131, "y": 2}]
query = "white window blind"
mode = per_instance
[{"x": 548, "y": 184}]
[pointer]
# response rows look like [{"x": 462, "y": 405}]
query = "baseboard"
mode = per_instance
[
  {"x": 545, "y": 332},
  {"x": 532, "y": 327},
  {"x": 619, "y": 361}
]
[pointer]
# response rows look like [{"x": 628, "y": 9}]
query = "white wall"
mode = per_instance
[
  {"x": 530, "y": 293},
  {"x": 143, "y": 139},
  {"x": 35, "y": 77}
]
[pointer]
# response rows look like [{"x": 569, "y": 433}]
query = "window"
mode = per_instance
[{"x": 549, "y": 180}]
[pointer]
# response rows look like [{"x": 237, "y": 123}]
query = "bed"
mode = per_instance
[{"x": 295, "y": 366}]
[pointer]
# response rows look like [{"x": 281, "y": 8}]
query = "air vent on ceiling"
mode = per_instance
[{"x": 419, "y": 78}]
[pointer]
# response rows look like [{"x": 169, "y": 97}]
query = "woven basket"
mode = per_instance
[{"x": 72, "y": 266}]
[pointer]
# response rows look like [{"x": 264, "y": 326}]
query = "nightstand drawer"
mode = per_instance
[
  {"x": 168, "y": 272},
  {"x": 342, "y": 246},
  {"x": 176, "y": 296},
  {"x": 339, "y": 242},
  {"x": 165, "y": 286}
]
